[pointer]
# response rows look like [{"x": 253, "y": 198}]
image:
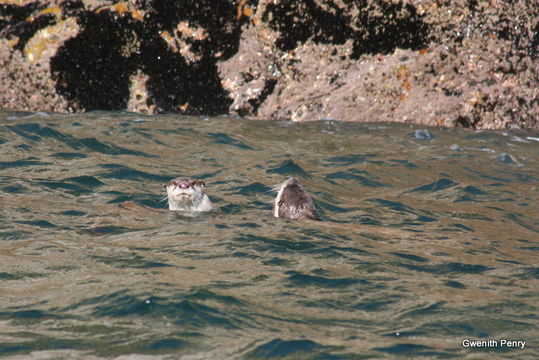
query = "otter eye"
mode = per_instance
[{"x": 202, "y": 183}]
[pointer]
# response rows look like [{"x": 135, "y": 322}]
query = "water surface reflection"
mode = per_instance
[{"x": 429, "y": 236}]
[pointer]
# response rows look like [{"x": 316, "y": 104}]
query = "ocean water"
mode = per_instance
[{"x": 429, "y": 239}]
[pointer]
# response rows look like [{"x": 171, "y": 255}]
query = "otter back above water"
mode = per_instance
[{"x": 429, "y": 237}]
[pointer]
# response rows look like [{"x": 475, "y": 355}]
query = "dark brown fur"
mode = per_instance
[{"x": 294, "y": 202}]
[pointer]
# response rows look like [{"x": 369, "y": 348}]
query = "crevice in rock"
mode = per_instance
[
  {"x": 533, "y": 49},
  {"x": 175, "y": 84},
  {"x": 269, "y": 86},
  {"x": 297, "y": 21},
  {"x": 399, "y": 26},
  {"x": 378, "y": 27},
  {"x": 217, "y": 18},
  {"x": 92, "y": 69}
]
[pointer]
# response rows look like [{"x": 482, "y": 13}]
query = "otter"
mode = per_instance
[
  {"x": 187, "y": 194},
  {"x": 293, "y": 202}
]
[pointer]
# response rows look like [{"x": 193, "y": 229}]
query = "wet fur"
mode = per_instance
[
  {"x": 197, "y": 200},
  {"x": 293, "y": 202}
]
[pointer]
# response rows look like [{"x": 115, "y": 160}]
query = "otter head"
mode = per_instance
[
  {"x": 293, "y": 201},
  {"x": 187, "y": 194}
]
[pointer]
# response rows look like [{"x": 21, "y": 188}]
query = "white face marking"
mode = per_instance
[
  {"x": 181, "y": 191},
  {"x": 187, "y": 195},
  {"x": 276, "y": 204},
  {"x": 280, "y": 188}
]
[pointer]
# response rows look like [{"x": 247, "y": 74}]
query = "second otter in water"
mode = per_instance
[
  {"x": 187, "y": 194},
  {"x": 293, "y": 202}
]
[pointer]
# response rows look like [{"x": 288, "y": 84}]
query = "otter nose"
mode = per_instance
[{"x": 184, "y": 185}]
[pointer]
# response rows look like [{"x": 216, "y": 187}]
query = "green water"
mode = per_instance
[{"x": 429, "y": 237}]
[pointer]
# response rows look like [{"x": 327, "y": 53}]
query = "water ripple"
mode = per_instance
[{"x": 427, "y": 237}]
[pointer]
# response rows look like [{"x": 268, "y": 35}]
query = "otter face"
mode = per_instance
[{"x": 187, "y": 194}]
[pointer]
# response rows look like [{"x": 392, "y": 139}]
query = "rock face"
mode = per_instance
[{"x": 446, "y": 63}]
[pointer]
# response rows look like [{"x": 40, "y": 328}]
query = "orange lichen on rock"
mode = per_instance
[
  {"x": 137, "y": 14},
  {"x": 183, "y": 107},
  {"x": 241, "y": 9},
  {"x": 406, "y": 84},
  {"x": 121, "y": 8},
  {"x": 50, "y": 10},
  {"x": 403, "y": 72}
]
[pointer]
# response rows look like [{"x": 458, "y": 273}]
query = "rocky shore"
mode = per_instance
[{"x": 447, "y": 63}]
